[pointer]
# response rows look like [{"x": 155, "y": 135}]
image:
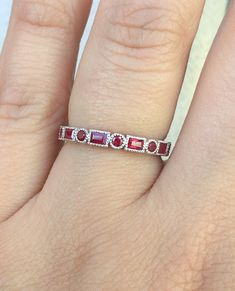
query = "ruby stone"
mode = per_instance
[
  {"x": 162, "y": 148},
  {"x": 68, "y": 133},
  {"x": 99, "y": 138},
  {"x": 117, "y": 141},
  {"x": 81, "y": 135},
  {"x": 136, "y": 144},
  {"x": 152, "y": 146}
]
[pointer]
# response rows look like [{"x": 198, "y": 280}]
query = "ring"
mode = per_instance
[{"x": 116, "y": 141}]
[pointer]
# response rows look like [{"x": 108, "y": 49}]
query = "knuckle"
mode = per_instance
[
  {"x": 21, "y": 107},
  {"x": 45, "y": 15},
  {"x": 144, "y": 31}
]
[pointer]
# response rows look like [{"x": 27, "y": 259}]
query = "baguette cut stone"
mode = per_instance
[
  {"x": 98, "y": 138},
  {"x": 136, "y": 144},
  {"x": 68, "y": 133},
  {"x": 162, "y": 148}
]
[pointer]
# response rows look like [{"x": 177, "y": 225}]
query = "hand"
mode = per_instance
[{"x": 84, "y": 218}]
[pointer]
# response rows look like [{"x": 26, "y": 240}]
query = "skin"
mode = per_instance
[{"x": 88, "y": 219}]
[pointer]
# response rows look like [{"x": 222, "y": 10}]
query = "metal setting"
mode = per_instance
[
  {"x": 124, "y": 140},
  {"x": 105, "y": 139},
  {"x": 76, "y": 131},
  {"x": 100, "y": 132},
  {"x": 157, "y": 147},
  {"x": 128, "y": 137}
]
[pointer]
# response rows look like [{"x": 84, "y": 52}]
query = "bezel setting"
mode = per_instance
[
  {"x": 92, "y": 131},
  {"x": 105, "y": 139},
  {"x": 114, "y": 135},
  {"x": 129, "y": 137},
  {"x": 75, "y": 133},
  {"x": 72, "y": 134},
  {"x": 61, "y": 133},
  {"x": 167, "y": 151},
  {"x": 167, "y": 148},
  {"x": 147, "y": 147}
]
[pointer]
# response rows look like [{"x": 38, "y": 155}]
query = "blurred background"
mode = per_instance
[{"x": 211, "y": 19}]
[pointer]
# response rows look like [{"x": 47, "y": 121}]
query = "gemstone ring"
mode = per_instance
[{"x": 116, "y": 141}]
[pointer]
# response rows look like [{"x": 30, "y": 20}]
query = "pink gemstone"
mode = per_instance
[
  {"x": 68, "y": 133},
  {"x": 117, "y": 141},
  {"x": 152, "y": 146},
  {"x": 81, "y": 135},
  {"x": 136, "y": 144},
  {"x": 99, "y": 138},
  {"x": 162, "y": 148}
]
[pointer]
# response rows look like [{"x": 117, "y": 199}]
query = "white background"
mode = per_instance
[{"x": 5, "y": 7}]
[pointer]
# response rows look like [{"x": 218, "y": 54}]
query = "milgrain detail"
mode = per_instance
[{"x": 116, "y": 141}]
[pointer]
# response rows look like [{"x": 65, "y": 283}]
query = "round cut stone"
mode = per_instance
[
  {"x": 81, "y": 135},
  {"x": 152, "y": 146},
  {"x": 117, "y": 141}
]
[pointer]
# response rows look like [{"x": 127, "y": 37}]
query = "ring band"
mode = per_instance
[{"x": 114, "y": 140}]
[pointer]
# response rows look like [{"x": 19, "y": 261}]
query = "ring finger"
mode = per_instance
[{"x": 128, "y": 82}]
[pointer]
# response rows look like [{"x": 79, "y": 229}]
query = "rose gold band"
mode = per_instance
[{"x": 114, "y": 140}]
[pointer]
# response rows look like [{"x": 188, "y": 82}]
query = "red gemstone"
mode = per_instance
[
  {"x": 68, "y": 133},
  {"x": 99, "y": 138},
  {"x": 163, "y": 148},
  {"x": 117, "y": 141},
  {"x": 81, "y": 135},
  {"x": 136, "y": 144},
  {"x": 152, "y": 146}
]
